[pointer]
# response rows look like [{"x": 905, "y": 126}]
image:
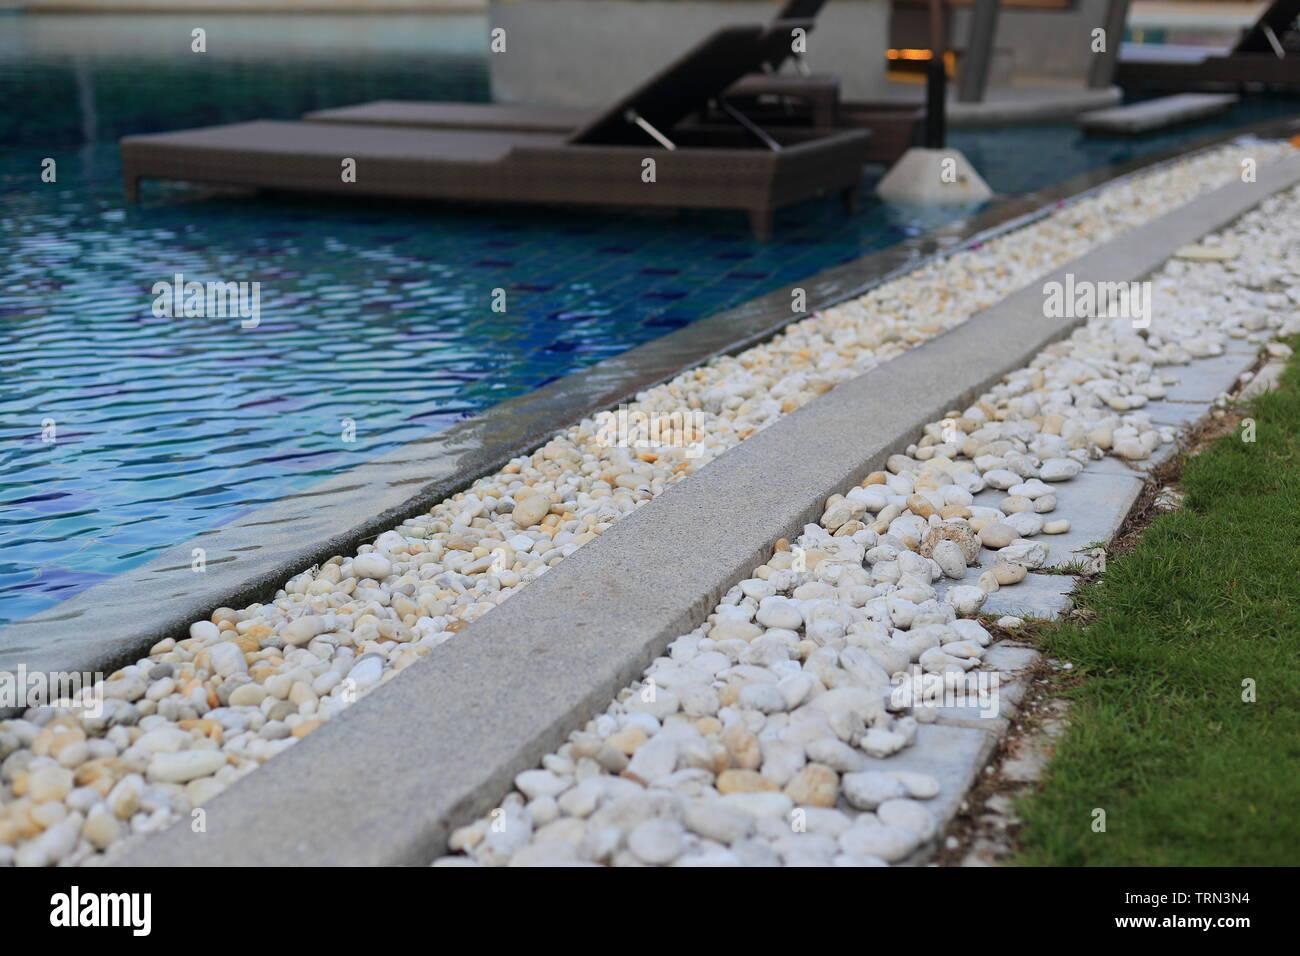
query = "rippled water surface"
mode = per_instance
[{"x": 123, "y": 434}]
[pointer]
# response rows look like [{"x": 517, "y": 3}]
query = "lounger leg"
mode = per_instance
[
  {"x": 131, "y": 186},
  {"x": 849, "y": 196},
  {"x": 760, "y": 221}
]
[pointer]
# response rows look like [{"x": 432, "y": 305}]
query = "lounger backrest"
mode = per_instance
[
  {"x": 679, "y": 90},
  {"x": 777, "y": 42},
  {"x": 1278, "y": 16},
  {"x": 800, "y": 10}
]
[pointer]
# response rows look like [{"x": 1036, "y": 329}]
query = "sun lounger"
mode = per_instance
[
  {"x": 1268, "y": 54},
  {"x": 602, "y": 163},
  {"x": 765, "y": 95}
]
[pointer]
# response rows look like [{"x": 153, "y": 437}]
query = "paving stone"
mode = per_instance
[
  {"x": 1096, "y": 506},
  {"x": 1013, "y": 692},
  {"x": 1010, "y": 658},
  {"x": 1038, "y": 595},
  {"x": 1205, "y": 379},
  {"x": 1007, "y": 660},
  {"x": 1158, "y": 457},
  {"x": 952, "y": 755},
  {"x": 976, "y": 719},
  {"x": 1027, "y": 760},
  {"x": 1176, "y": 414},
  {"x": 1108, "y": 466}
]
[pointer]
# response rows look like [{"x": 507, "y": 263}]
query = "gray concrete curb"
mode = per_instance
[{"x": 385, "y": 782}]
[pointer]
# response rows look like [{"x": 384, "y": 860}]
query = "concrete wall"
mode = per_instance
[
  {"x": 586, "y": 52},
  {"x": 1043, "y": 44},
  {"x": 240, "y": 6}
]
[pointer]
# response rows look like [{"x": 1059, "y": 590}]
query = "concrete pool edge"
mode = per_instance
[
  {"x": 443, "y": 742},
  {"x": 249, "y": 558}
]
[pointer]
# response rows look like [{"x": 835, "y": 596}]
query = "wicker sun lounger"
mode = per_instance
[
  {"x": 764, "y": 94},
  {"x": 603, "y": 163},
  {"x": 1268, "y": 54}
]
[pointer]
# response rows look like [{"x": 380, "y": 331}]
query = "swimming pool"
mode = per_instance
[{"x": 376, "y": 322}]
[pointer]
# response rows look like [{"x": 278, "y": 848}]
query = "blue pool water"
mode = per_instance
[{"x": 377, "y": 313}]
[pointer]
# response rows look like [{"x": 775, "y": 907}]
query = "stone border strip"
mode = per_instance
[
  {"x": 1102, "y": 496},
  {"x": 249, "y": 558},
  {"x": 1105, "y": 491},
  {"x": 386, "y": 781}
]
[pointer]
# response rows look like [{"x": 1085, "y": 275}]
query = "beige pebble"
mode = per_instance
[
  {"x": 997, "y": 535},
  {"x": 1014, "y": 504},
  {"x": 815, "y": 785},
  {"x": 1009, "y": 573},
  {"x": 743, "y": 781},
  {"x": 531, "y": 510},
  {"x": 627, "y": 741}
]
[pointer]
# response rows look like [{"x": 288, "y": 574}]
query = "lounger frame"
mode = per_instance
[{"x": 713, "y": 169}]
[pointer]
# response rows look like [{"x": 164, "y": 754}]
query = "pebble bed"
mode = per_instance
[
  {"x": 196, "y": 714},
  {"x": 758, "y": 740}
]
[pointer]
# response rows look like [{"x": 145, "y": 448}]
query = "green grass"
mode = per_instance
[{"x": 1160, "y": 738}]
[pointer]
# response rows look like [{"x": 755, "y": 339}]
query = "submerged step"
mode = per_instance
[{"x": 1158, "y": 113}]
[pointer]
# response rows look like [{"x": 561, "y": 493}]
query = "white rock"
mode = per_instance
[
  {"x": 765, "y": 698},
  {"x": 879, "y": 742},
  {"x": 714, "y": 822},
  {"x": 227, "y": 659},
  {"x": 870, "y": 788},
  {"x": 1058, "y": 469},
  {"x": 779, "y": 612},
  {"x": 948, "y": 555},
  {"x": 908, "y": 815},
  {"x": 762, "y": 804},
  {"x": 868, "y": 837},
  {"x": 301, "y": 631},
  {"x": 1031, "y": 554},
  {"x": 374, "y": 566},
  {"x": 659, "y": 705},
  {"x": 185, "y": 766},
  {"x": 540, "y": 783},
  {"x": 205, "y": 631},
  {"x": 52, "y": 845},
  {"x": 164, "y": 740},
  {"x": 654, "y": 759},
  {"x": 966, "y": 599},
  {"x": 1026, "y": 523},
  {"x": 968, "y": 630},
  {"x": 657, "y": 842},
  {"x": 920, "y": 786},
  {"x": 366, "y": 672},
  {"x": 1001, "y": 478}
]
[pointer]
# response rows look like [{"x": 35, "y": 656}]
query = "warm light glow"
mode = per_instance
[{"x": 908, "y": 54}]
